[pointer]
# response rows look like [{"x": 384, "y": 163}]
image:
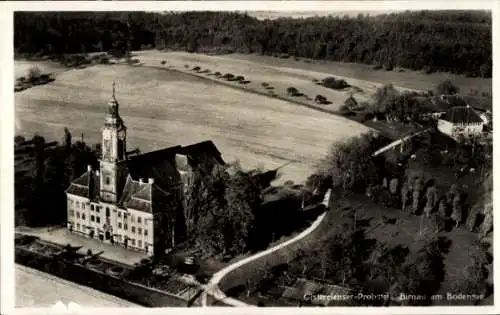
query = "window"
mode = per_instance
[
  {"x": 139, "y": 231},
  {"x": 78, "y": 215},
  {"x": 98, "y": 220},
  {"x": 92, "y": 218},
  {"x": 139, "y": 243},
  {"x": 119, "y": 214},
  {"x": 133, "y": 241},
  {"x": 139, "y": 220},
  {"x": 107, "y": 211},
  {"x": 97, "y": 209},
  {"x": 107, "y": 180},
  {"x": 83, "y": 205},
  {"x": 78, "y": 204},
  {"x": 133, "y": 229},
  {"x": 78, "y": 226},
  {"x": 145, "y": 232},
  {"x": 119, "y": 225},
  {"x": 72, "y": 201},
  {"x": 91, "y": 207},
  {"x": 125, "y": 226},
  {"x": 131, "y": 218},
  {"x": 83, "y": 216},
  {"x": 71, "y": 213}
]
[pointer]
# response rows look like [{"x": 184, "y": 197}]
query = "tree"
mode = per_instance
[
  {"x": 443, "y": 208},
  {"x": 452, "y": 193},
  {"x": 456, "y": 215},
  {"x": 405, "y": 195},
  {"x": 67, "y": 138},
  {"x": 384, "y": 100},
  {"x": 446, "y": 88},
  {"x": 417, "y": 194},
  {"x": 291, "y": 91},
  {"x": 351, "y": 103},
  {"x": 34, "y": 74},
  {"x": 432, "y": 197}
]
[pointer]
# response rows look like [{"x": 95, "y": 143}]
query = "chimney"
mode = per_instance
[
  {"x": 151, "y": 180},
  {"x": 141, "y": 181},
  {"x": 89, "y": 168}
]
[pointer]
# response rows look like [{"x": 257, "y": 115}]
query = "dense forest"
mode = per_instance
[{"x": 452, "y": 41}]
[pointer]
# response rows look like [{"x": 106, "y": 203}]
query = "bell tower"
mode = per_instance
[{"x": 113, "y": 148}]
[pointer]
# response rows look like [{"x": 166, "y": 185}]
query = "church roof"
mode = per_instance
[
  {"x": 160, "y": 165},
  {"x": 87, "y": 186}
]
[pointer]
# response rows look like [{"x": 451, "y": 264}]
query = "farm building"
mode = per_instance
[
  {"x": 461, "y": 120},
  {"x": 135, "y": 201}
]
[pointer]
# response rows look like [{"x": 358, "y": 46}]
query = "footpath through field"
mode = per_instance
[{"x": 212, "y": 288}]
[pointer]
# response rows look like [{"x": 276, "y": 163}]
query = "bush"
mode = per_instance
[
  {"x": 332, "y": 83},
  {"x": 186, "y": 66},
  {"x": 196, "y": 68},
  {"x": 217, "y": 74},
  {"x": 163, "y": 62},
  {"x": 264, "y": 84},
  {"x": 34, "y": 74},
  {"x": 228, "y": 76},
  {"x": 388, "y": 68},
  {"x": 377, "y": 67},
  {"x": 239, "y": 78},
  {"x": 446, "y": 87},
  {"x": 292, "y": 91}
]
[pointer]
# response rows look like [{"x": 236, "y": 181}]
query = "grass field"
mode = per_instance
[
  {"x": 408, "y": 79},
  {"x": 279, "y": 77},
  {"x": 164, "y": 108},
  {"x": 38, "y": 289}
]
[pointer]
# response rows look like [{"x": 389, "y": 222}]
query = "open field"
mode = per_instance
[
  {"x": 164, "y": 108},
  {"x": 409, "y": 79},
  {"x": 279, "y": 77},
  {"x": 39, "y": 289}
]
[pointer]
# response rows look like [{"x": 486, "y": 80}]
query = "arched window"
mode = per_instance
[{"x": 107, "y": 180}]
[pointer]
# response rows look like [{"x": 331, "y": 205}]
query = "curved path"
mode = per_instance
[
  {"x": 212, "y": 288},
  {"x": 398, "y": 142}
]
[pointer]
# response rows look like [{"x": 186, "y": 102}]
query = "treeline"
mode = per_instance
[
  {"x": 452, "y": 41},
  {"x": 43, "y": 171}
]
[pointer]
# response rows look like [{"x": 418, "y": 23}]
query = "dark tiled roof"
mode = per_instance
[
  {"x": 200, "y": 151},
  {"x": 87, "y": 185},
  {"x": 144, "y": 193},
  {"x": 462, "y": 115},
  {"x": 159, "y": 165}
]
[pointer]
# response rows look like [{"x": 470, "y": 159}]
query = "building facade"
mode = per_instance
[
  {"x": 135, "y": 201},
  {"x": 461, "y": 121}
]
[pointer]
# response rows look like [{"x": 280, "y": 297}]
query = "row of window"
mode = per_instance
[
  {"x": 132, "y": 218},
  {"x": 132, "y": 229},
  {"x": 132, "y": 241}
]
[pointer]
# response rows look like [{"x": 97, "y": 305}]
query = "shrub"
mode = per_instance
[
  {"x": 239, "y": 78},
  {"x": 320, "y": 99},
  {"x": 332, "y": 83},
  {"x": 388, "y": 67},
  {"x": 217, "y": 74},
  {"x": 196, "y": 68},
  {"x": 446, "y": 87},
  {"x": 186, "y": 66},
  {"x": 163, "y": 62},
  {"x": 264, "y": 84},
  {"x": 377, "y": 67},
  {"x": 34, "y": 74},
  {"x": 291, "y": 91},
  {"x": 228, "y": 76}
]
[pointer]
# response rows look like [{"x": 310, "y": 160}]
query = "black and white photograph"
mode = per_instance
[{"x": 252, "y": 158}]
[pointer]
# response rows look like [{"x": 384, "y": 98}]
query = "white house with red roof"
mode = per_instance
[{"x": 135, "y": 201}]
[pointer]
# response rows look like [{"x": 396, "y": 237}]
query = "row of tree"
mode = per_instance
[
  {"x": 43, "y": 176},
  {"x": 430, "y": 41}
]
